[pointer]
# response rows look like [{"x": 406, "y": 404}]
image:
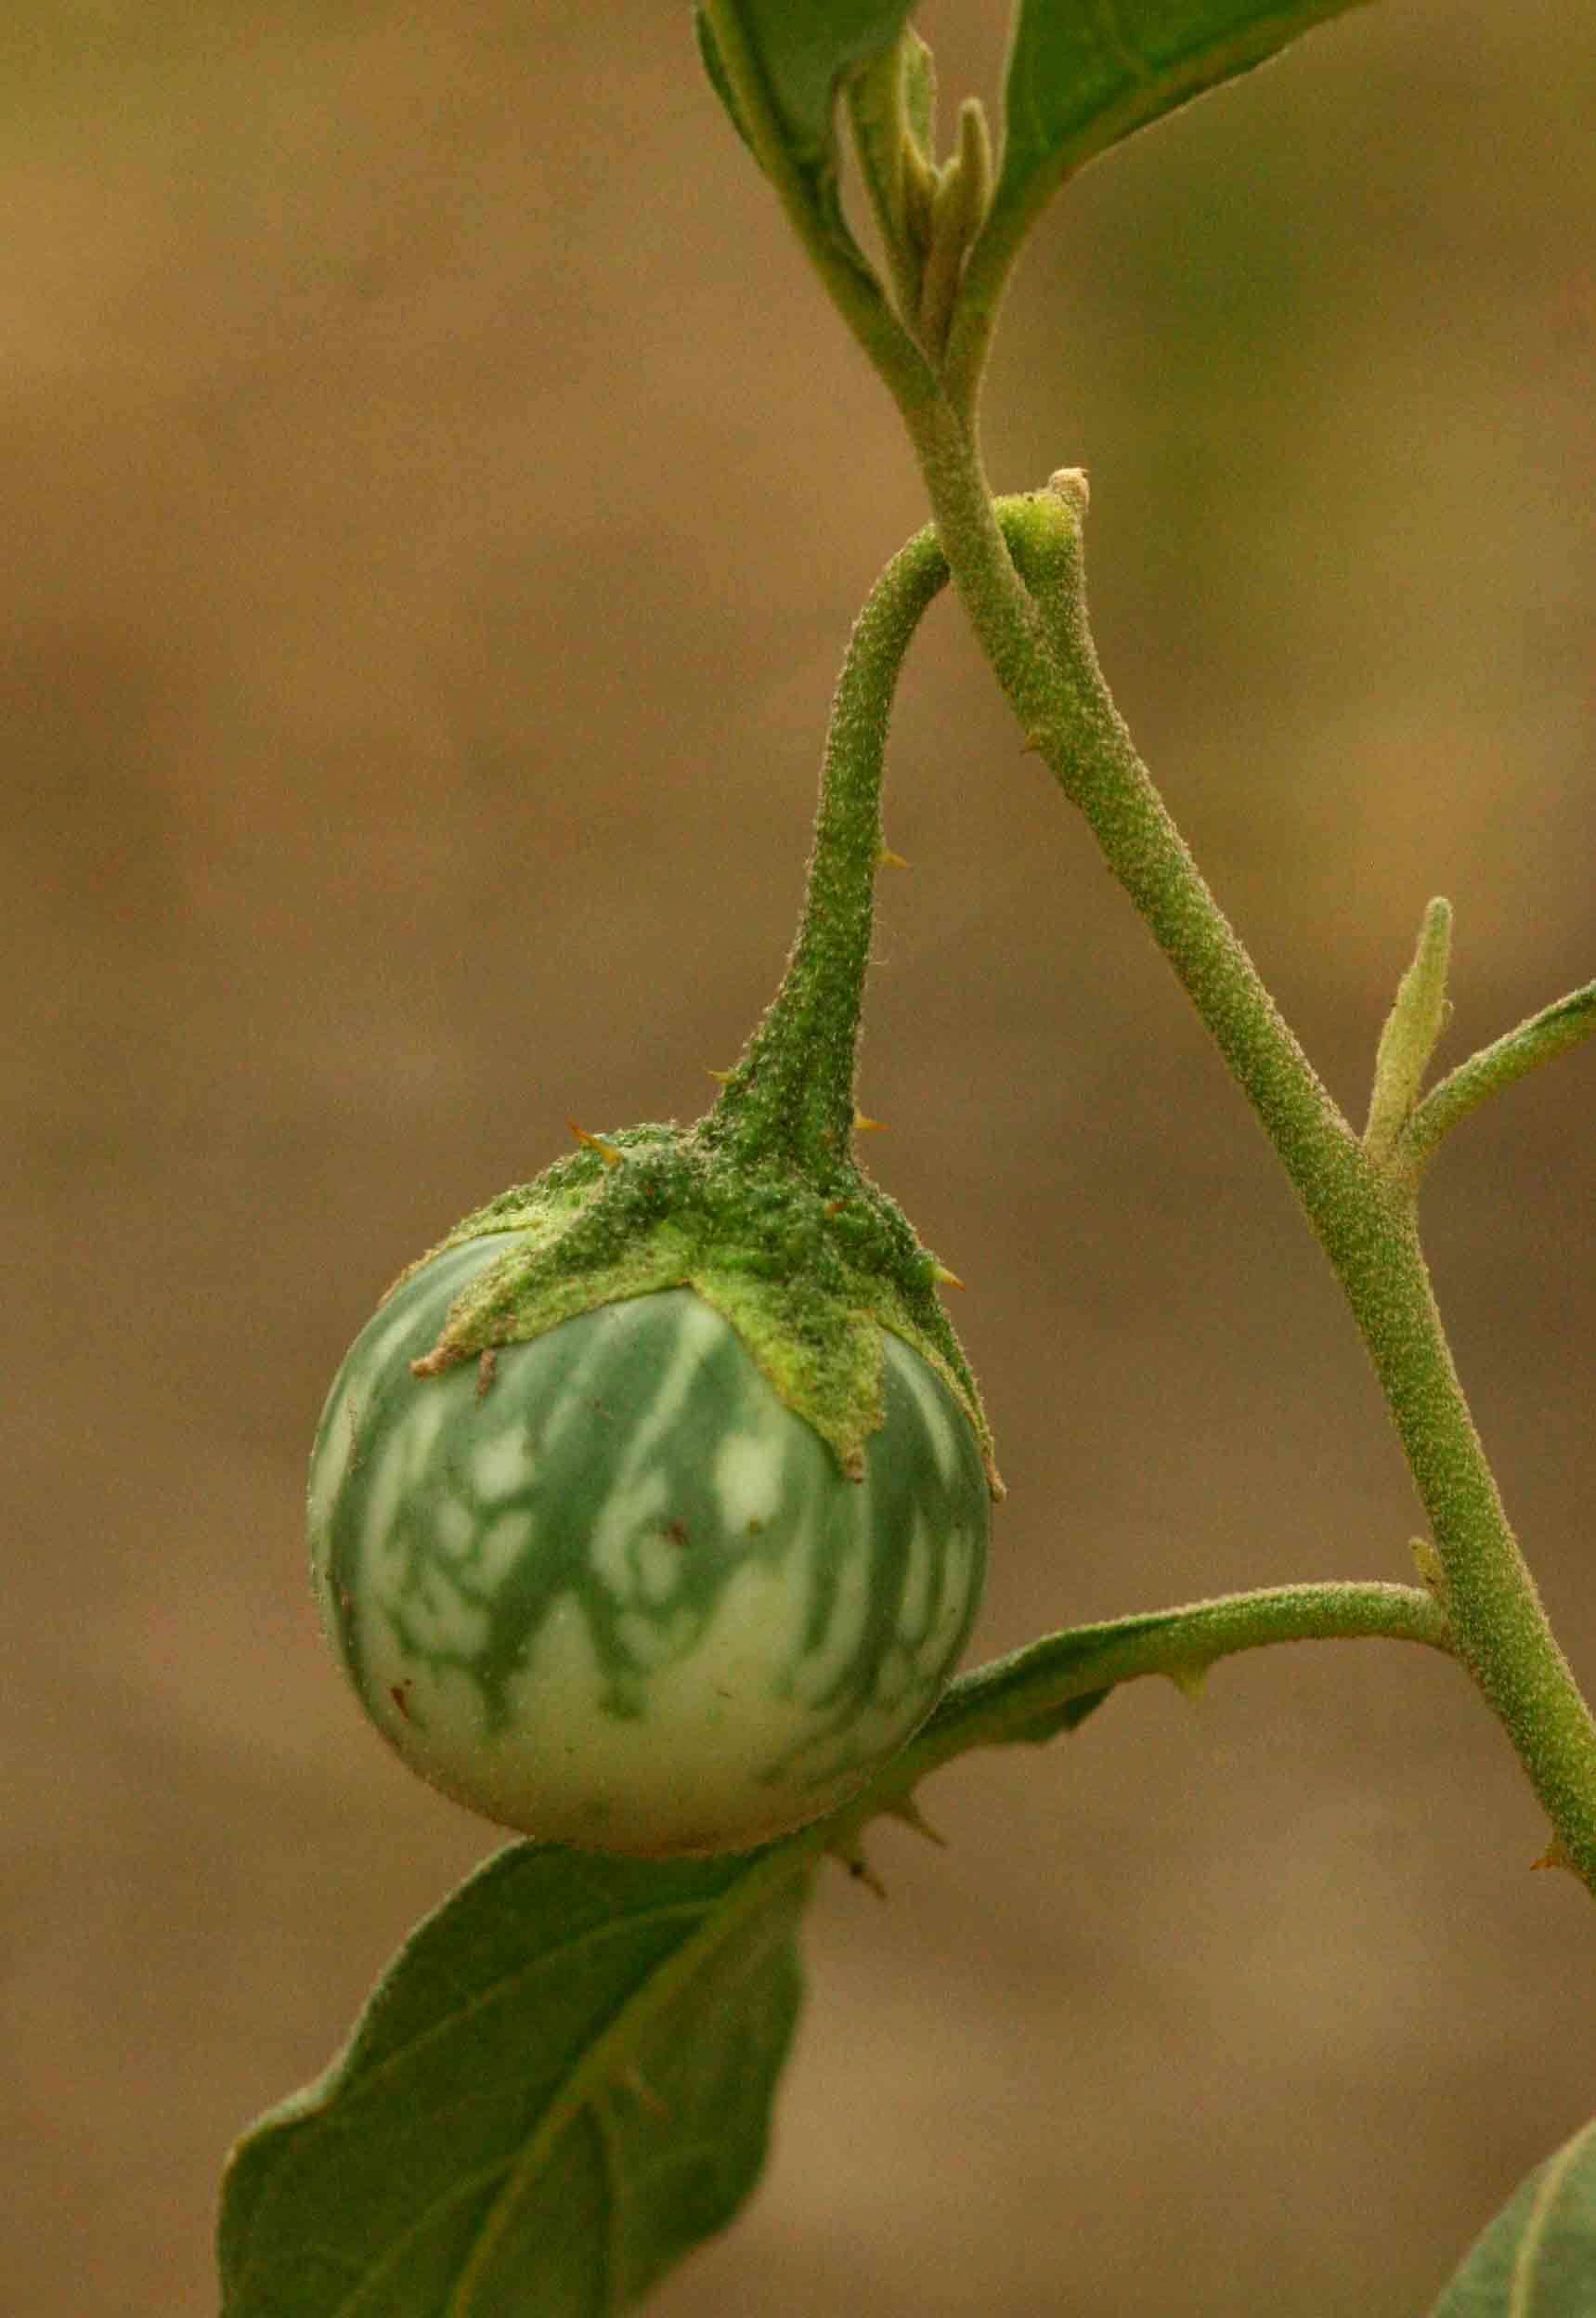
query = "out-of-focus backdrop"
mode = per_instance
[{"x": 435, "y": 498}]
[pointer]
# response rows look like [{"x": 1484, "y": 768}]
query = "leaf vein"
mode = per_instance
[
  {"x": 1115, "y": 37},
  {"x": 596, "y": 2064},
  {"x": 378, "y": 2072},
  {"x": 1539, "y": 2220}
]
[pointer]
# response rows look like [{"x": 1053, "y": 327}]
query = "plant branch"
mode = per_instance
[
  {"x": 1023, "y": 588},
  {"x": 991, "y": 262},
  {"x": 1363, "y": 1218},
  {"x": 852, "y": 288},
  {"x": 1025, "y": 1698},
  {"x": 794, "y": 1082},
  {"x": 1034, "y": 633},
  {"x": 1513, "y": 1057}
]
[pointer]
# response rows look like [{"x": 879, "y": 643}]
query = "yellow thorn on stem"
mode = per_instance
[
  {"x": 725, "y": 1077},
  {"x": 1030, "y": 746},
  {"x": 909, "y": 1811},
  {"x": 949, "y": 1279},
  {"x": 859, "y": 1867},
  {"x": 607, "y": 1151},
  {"x": 1554, "y": 1855},
  {"x": 1188, "y": 1680},
  {"x": 887, "y": 859},
  {"x": 864, "y": 1126}
]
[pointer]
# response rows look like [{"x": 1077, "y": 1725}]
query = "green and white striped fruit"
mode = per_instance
[{"x": 607, "y": 1588}]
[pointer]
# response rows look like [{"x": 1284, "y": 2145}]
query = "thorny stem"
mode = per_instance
[
  {"x": 793, "y": 1090},
  {"x": 1364, "y": 1220},
  {"x": 1021, "y": 1696},
  {"x": 799, "y": 1070},
  {"x": 1033, "y": 629}
]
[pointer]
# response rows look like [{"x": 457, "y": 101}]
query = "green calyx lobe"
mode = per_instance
[{"x": 806, "y": 1265}]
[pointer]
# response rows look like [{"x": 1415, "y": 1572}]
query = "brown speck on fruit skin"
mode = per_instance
[
  {"x": 677, "y": 1532},
  {"x": 486, "y": 1370},
  {"x": 401, "y": 1693},
  {"x": 355, "y": 1455}
]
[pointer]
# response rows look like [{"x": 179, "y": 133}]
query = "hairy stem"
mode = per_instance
[
  {"x": 853, "y": 289},
  {"x": 1552, "y": 1032},
  {"x": 1364, "y": 1220},
  {"x": 1025, "y": 1696},
  {"x": 1033, "y": 630},
  {"x": 1022, "y": 587},
  {"x": 1409, "y": 1037},
  {"x": 986, "y": 276},
  {"x": 793, "y": 1089}
]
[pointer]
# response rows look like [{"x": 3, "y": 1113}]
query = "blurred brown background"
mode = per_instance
[{"x": 435, "y": 499}]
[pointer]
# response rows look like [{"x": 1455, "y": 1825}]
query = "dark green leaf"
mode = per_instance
[
  {"x": 1538, "y": 2260},
  {"x": 920, "y": 94},
  {"x": 561, "y": 2086},
  {"x": 802, "y": 51},
  {"x": 1083, "y": 73}
]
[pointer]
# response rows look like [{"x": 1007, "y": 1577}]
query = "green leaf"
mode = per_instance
[
  {"x": 920, "y": 93},
  {"x": 1084, "y": 73},
  {"x": 1538, "y": 2260},
  {"x": 714, "y": 64},
  {"x": 801, "y": 52},
  {"x": 561, "y": 2084}
]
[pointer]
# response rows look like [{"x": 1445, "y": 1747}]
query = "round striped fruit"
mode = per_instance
[{"x": 609, "y": 1590}]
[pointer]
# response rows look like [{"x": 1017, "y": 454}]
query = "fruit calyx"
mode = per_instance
[{"x": 807, "y": 1271}]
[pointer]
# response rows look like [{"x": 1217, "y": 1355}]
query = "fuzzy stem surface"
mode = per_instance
[
  {"x": 1034, "y": 631},
  {"x": 793, "y": 1089},
  {"x": 1552, "y": 1032},
  {"x": 1011, "y": 1700},
  {"x": 853, "y": 290}
]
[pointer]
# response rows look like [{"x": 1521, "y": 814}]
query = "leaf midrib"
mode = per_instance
[
  {"x": 597, "y": 2064},
  {"x": 1523, "y": 2283}
]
